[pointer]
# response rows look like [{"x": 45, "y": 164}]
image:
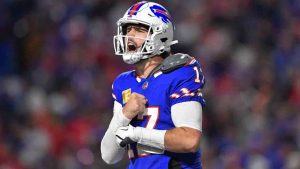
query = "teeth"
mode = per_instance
[
  {"x": 130, "y": 43},
  {"x": 131, "y": 46}
]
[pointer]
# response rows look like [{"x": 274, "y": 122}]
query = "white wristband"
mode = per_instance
[{"x": 150, "y": 137}]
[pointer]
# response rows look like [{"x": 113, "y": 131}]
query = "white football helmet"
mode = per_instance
[{"x": 160, "y": 33}]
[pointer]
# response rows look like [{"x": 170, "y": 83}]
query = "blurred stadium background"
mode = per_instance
[{"x": 57, "y": 66}]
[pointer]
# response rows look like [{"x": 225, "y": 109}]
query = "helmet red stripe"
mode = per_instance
[
  {"x": 164, "y": 13},
  {"x": 134, "y": 8}
]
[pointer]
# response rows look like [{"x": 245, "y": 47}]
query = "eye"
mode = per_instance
[
  {"x": 136, "y": 28},
  {"x": 142, "y": 29},
  {"x": 128, "y": 29}
]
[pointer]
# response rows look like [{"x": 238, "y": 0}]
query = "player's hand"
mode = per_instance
[
  {"x": 125, "y": 135},
  {"x": 135, "y": 105}
]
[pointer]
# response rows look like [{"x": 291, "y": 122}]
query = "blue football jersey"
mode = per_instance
[{"x": 162, "y": 91}]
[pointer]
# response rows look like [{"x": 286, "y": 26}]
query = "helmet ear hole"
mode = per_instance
[
  {"x": 149, "y": 48},
  {"x": 158, "y": 29}
]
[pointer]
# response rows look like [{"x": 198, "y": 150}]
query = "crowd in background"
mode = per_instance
[{"x": 57, "y": 65}]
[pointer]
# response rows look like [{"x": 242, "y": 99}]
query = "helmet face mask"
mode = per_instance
[
  {"x": 159, "y": 37},
  {"x": 121, "y": 46}
]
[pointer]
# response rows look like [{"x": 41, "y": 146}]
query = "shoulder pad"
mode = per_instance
[{"x": 175, "y": 61}]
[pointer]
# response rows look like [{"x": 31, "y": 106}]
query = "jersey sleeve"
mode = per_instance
[
  {"x": 116, "y": 94},
  {"x": 187, "y": 85},
  {"x": 121, "y": 87}
]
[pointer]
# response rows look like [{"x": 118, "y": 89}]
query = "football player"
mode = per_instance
[{"x": 158, "y": 106}]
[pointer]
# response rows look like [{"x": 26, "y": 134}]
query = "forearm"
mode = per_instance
[
  {"x": 179, "y": 140},
  {"x": 182, "y": 140},
  {"x": 110, "y": 151}
]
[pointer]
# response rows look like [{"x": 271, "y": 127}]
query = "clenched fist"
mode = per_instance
[{"x": 135, "y": 105}]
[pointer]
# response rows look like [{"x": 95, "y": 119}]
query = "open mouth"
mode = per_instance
[{"x": 131, "y": 46}]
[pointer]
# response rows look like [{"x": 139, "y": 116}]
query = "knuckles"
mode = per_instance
[{"x": 136, "y": 103}]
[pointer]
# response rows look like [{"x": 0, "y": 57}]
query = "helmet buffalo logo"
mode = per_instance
[{"x": 161, "y": 13}]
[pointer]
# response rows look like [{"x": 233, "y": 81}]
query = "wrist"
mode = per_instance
[
  {"x": 137, "y": 134},
  {"x": 127, "y": 114}
]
